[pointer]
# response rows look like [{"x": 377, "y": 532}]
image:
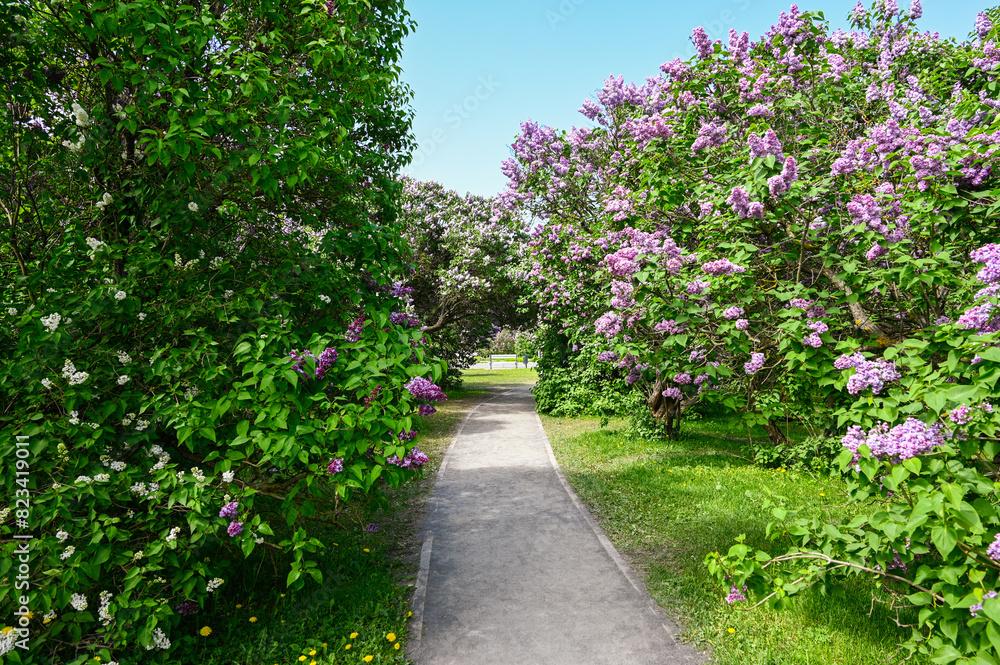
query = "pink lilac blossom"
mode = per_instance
[
  {"x": 974, "y": 609},
  {"x": 960, "y": 415},
  {"x": 736, "y": 595},
  {"x": 353, "y": 333},
  {"x": 733, "y": 312},
  {"x": 875, "y": 252},
  {"x": 755, "y": 363},
  {"x": 763, "y": 146},
  {"x": 673, "y": 393},
  {"x": 424, "y": 390},
  {"x": 813, "y": 340},
  {"x": 230, "y": 510},
  {"x": 670, "y": 327},
  {"x": 335, "y": 466},
  {"x": 709, "y": 136},
  {"x": 867, "y": 374},
  {"x": 818, "y": 326},
  {"x": 607, "y": 357},
  {"x": 426, "y": 410},
  {"x": 698, "y": 286},
  {"x": 742, "y": 324},
  {"x": 683, "y": 378},
  {"x": 983, "y": 25},
  {"x": 722, "y": 267},
  {"x": 993, "y": 551},
  {"x": 608, "y": 325},
  {"x": 235, "y": 529},
  {"x": 783, "y": 181}
]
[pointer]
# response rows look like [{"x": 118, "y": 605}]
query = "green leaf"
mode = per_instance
[{"x": 944, "y": 538}]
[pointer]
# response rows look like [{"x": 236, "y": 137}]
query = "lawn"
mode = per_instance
[{"x": 665, "y": 505}]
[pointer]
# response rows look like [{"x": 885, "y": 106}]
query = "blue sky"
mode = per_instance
[{"x": 478, "y": 68}]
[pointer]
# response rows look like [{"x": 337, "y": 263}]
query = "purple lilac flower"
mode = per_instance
[
  {"x": 818, "y": 326},
  {"x": 353, "y": 333},
  {"x": 608, "y": 325},
  {"x": 696, "y": 355},
  {"x": 607, "y": 357},
  {"x": 702, "y": 43},
  {"x": 783, "y": 181},
  {"x": 230, "y": 510},
  {"x": 187, "y": 608},
  {"x": 722, "y": 267},
  {"x": 697, "y": 287},
  {"x": 426, "y": 409},
  {"x": 867, "y": 374},
  {"x": 235, "y": 529},
  {"x": 336, "y": 466},
  {"x": 683, "y": 378},
  {"x": 960, "y": 415},
  {"x": 736, "y": 595},
  {"x": 983, "y": 25},
  {"x": 801, "y": 303},
  {"x": 424, "y": 390},
  {"x": 371, "y": 527},
  {"x": 973, "y": 610},
  {"x": 993, "y": 551},
  {"x": 413, "y": 459},
  {"x": 742, "y": 324},
  {"x": 403, "y": 319},
  {"x": 406, "y": 436},
  {"x": 813, "y": 340},
  {"x": 633, "y": 376},
  {"x": 755, "y": 363},
  {"x": 673, "y": 392},
  {"x": 876, "y": 252},
  {"x": 710, "y": 135},
  {"x": 701, "y": 378},
  {"x": 670, "y": 327},
  {"x": 916, "y": 11},
  {"x": 901, "y": 442}
]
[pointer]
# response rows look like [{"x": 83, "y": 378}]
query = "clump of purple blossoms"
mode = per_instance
[
  {"x": 813, "y": 340},
  {"x": 371, "y": 527},
  {"x": 407, "y": 436},
  {"x": 818, "y": 326},
  {"x": 960, "y": 415},
  {"x": 426, "y": 409},
  {"x": 783, "y": 181},
  {"x": 722, "y": 267},
  {"x": 993, "y": 551},
  {"x": 974, "y": 609},
  {"x": 608, "y": 325},
  {"x": 403, "y": 319},
  {"x": 187, "y": 608},
  {"x": 413, "y": 459},
  {"x": 230, "y": 510},
  {"x": 607, "y": 357},
  {"x": 742, "y": 324},
  {"x": 697, "y": 287},
  {"x": 424, "y": 390},
  {"x": 323, "y": 363},
  {"x": 235, "y": 529},
  {"x": 762, "y": 146},
  {"x": 683, "y": 378},
  {"x": 755, "y": 363},
  {"x": 353, "y": 333},
  {"x": 867, "y": 374},
  {"x": 736, "y": 595},
  {"x": 898, "y": 443},
  {"x": 335, "y": 466},
  {"x": 983, "y": 25},
  {"x": 673, "y": 392},
  {"x": 670, "y": 327},
  {"x": 733, "y": 312}
]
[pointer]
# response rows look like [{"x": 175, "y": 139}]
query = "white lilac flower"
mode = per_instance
[
  {"x": 118, "y": 466},
  {"x": 198, "y": 475},
  {"x": 49, "y": 616},
  {"x": 128, "y": 419},
  {"x": 102, "y": 478},
  {"x": 259, "y": 540},
  {"x": 61, "y": 535},
  {"x": 124, "y": 358},
  {"x": 227, "y": 476},
  {"x": 141, "y": 425},
  {"x": 104, "y": 202},
  {"x": 51, "y": 322},
  {"x": 325, "y": 299},
  {"x": 215, "y": 584},
  {"x": 120, "y": 295},
  {"x": 78, "y": 378},
  {"x": 75, "y": 147},
  {"x": 216, "y": 262},
  {"x": 84, "y": 479},
  {"x": 102, "y": 612},
  {"x": 228, "y": 293},
  {"x": 67, "y": 553},
  {"x": 192, "y": 206},
  {"x": 5, "y": 513},
  {"x": 74, "y": 418},
  {"x": 122, "y": 379},
  {"x": 138, "y": 555},
  {"x": 160, "y": 640},
  {"x": 80, "y": 116},
  {"x": 79, "y": 602},
  {"x": 174, "y": 532},
  {"x": 142, "y": 316},
  {"x": 130, "y": 513},
  {"x": 12, "y": 311},
  {"x": 47, "y": 383},
  {"x": 94, "y": 244}
]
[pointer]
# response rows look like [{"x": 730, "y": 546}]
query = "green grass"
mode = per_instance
[
  {"x": 362, "y": 592},
  {"x": 666, "y": 505}
]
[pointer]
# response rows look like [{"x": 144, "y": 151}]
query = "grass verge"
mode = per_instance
[
  {"x": 359, "y": 613},
  {"x": 665, "y": 505}
]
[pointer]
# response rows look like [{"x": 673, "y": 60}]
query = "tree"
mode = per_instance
[{"x": 197, "y": 251}]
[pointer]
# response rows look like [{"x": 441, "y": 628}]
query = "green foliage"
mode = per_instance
[
  {"x": 572, "y": 383},
  {"x": 193, "y": 193},
  {"x": 816, "y": 454}
]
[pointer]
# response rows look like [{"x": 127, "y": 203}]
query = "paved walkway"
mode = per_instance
[
  {"x": 514, "y": 570},
  {"x": 504, "y": 364}
]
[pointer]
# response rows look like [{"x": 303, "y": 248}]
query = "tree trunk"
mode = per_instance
[
  {"x": 665, "y": 409},
  {"x": 774, "y": 434}
]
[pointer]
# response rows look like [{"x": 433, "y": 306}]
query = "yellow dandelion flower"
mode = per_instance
[
  {"x": 366, "y": 550},
  {"x": 238, "y": 605},
  {"x": 253, "y": 619},
  {"x": 731, "y": 630},
  {"x": 821, "y": 494},
  {"x": 391, "y": 637},
  {"x": 409, "y": 614},
  {"x": 31, "y": 615},
  {"x": 368, "y": 659},
  {"x": 347, "y": 646},
  {"x": 97, "y": 658},
  {"x": 312, "y": 662},
  {"x": 282, "y": 621},
  {"x": 205, "y": 631},
  {"x": 396, "y": 646},
  {"x": 323, "y": 645},
  {"x": 312, "y": 652},
  {"x": 353, "y": 635},
  {"x": 301, "y": 658},
  {"x": 282, "y": 595}
]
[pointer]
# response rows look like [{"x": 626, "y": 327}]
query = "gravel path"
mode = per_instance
[{"x": 514, "y": 570}]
